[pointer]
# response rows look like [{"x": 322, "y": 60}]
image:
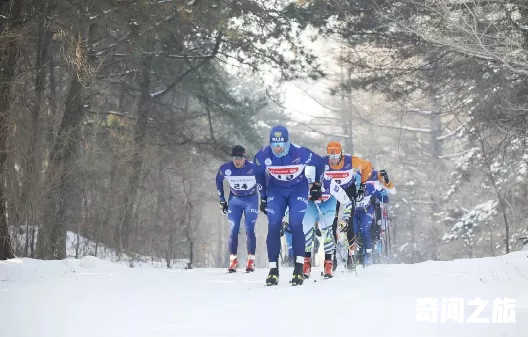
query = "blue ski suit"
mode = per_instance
[
  {"x": 365, "y": 213},
  {"x": 243, "y": 198},
  {"x": 282, "y": 182},
  {"x": 379, "y": 221}
]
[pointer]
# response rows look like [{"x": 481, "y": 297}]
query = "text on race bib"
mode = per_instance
[
  {"x": 285, "y": 173},
  {"x": 241, "y": 183}
]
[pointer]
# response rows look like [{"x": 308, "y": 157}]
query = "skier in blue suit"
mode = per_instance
[
  {"x": 364, "y": 216},
  {"x": 279, "y": 170},
  {"x": 243, "y": 198}
]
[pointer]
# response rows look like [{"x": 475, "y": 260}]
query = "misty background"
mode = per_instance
[{"x": 115, "y": 116}]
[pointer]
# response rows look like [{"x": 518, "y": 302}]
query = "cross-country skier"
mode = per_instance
[
  {"x": 351, "y": 173},
  {"x": 379, "y": 223},
  {"x": 243, "y": 198},
  {"x": 323, "y": 211},
  {"x": 363, "y": 217},
  {"x": 279, "y": 169}
]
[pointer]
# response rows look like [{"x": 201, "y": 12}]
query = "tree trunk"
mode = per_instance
[
  {"x": 140, "y": 131},
  {"x": 51, "y": 243},
  {"x": 8, "y": 57},
  {"x": 33, "y": 159}
]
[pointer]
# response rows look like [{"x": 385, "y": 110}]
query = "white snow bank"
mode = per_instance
[{"x": 90, "y": 297}]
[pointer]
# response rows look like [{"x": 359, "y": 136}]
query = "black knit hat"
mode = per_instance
[{"x": 238, "y": 151}]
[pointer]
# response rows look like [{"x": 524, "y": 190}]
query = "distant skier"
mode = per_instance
[
  {"x": 363, "y": 217},
  {"x": 279, "y": 169},
  {"x": 323, "y": 211},
  {"x": 379, "y": 224},
  {"x": 243, "y": 198},
  {"x": 351, "y": 173}
]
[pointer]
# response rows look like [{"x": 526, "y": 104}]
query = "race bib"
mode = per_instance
[
  {"x": 241, "y": 183},
  {"x": 341, "y": 177},
  {"x": 285, "y": 173}
]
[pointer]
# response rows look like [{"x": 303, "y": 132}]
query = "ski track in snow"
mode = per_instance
[{"x": 91, "y": 297}]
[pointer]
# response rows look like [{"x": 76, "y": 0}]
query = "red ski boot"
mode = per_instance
[
  {"x": 328, "y": 272},
  {"x": 234, "y": 264},
  {"x": 307, "y": 267},
  {"x": 250, "y": 266}
]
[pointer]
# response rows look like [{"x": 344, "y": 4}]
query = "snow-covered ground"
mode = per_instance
[{"x": 90, "y": 297}]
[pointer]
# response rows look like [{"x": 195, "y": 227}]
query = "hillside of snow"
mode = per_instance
[{"x": 90, "y": 297}]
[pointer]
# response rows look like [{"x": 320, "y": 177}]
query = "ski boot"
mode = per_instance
[
  {"x": 273, "y": 275},
  {"x": 328, "y": 272},
  {"x": 234, "y": 264},
  {"x": 298, "y": 277},
  {"x": 250, "y": 266},
  {"x": 307, "y": 267}
]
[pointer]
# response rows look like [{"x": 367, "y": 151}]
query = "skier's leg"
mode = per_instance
[
  {"x": 328, "y": 211},
  {"x": 334, "y": 231},
  {"x": 365, "y": 223},
  {"x": 250, "y": 214},
  {"x": 297, "y": 203},
  {"x": 234, "y": 215},
  {"x": 308, "y": 222},
  {"x": 275, "y": 211}
]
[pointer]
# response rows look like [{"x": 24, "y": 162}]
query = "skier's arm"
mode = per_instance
[
  {"x": 366, "y": 169},
  {"x": 317, "y": 161},
  {"x": 260, "y": 175},
  {"x": 337, "y": 192},
  {"x": 220, "y": 184},
  {"x": 383, "y": 178}
]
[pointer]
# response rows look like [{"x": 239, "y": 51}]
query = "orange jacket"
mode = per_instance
[{"x": 364, "y": 167}]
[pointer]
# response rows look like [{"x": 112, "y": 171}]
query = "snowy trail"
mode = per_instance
[{"x": 91, "y": 297}]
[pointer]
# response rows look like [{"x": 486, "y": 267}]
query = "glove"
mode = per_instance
[
  {"x": 361, "y": 192},
  {"x": 223, "y": 204},
  {"x": 263, "y": 205},
  {"x": 315, "y": 192},
  {"x": 343, "y": 226},
  {"x": 385, "y": 176}
]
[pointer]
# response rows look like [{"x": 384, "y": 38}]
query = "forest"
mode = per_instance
[{"x": 115, "y": 116}]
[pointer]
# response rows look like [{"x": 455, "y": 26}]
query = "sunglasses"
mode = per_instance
[
  {"x": 334, "y": 156},
  {"x": 280, "y": 144}
]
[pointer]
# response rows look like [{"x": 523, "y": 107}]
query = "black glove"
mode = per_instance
[
  {"x": 361, "y": 192},
  {"x": 315, "y": 192},
  {"x": 385, "y": 176},
  {"x": 263, "y": 205},
  {"x": 224, "y": 206}
]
